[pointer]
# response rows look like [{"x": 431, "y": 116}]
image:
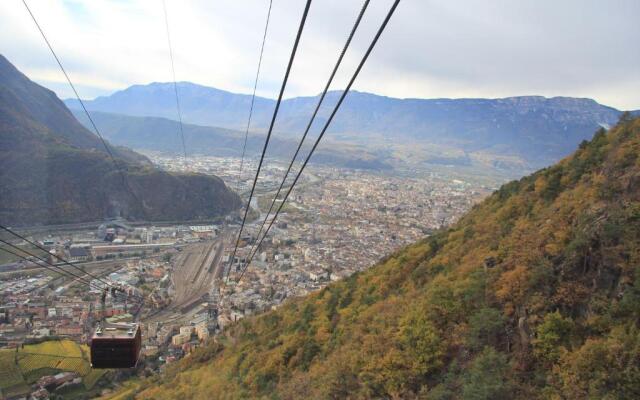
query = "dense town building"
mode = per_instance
[{"x": 336, "y": 222}]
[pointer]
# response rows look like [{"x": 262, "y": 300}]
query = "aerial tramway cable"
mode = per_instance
[
  {"x": 313, "y": 116},
  {"x": 60, "y": 274},
  {"x": 66, "y": 262},
  {"x": 118, "y": 166},
  {"x": 47, "y": 251},
  {"x": 324, "y": 129},
  {"x": 253, "y": 98},
  {"x": 175, "y": 84},
  {"x": 273, "y": 120},
  {"x": 47, "y": 265},
  {"x": 57, "y": 269}
]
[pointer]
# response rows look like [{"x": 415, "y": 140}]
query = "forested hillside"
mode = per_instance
[{"x": 535, "y": 293}]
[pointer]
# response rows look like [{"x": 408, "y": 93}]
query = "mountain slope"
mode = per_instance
[
  {"x": 539, "y": 130},
  {"x": 199, "y": 104},
  {"x": 161, "y": 134},
  {"x": 53, "y": 170},
  {"x": 535, "y": 293}
]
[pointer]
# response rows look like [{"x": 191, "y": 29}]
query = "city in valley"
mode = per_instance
[{"x": 178, "y": 279}]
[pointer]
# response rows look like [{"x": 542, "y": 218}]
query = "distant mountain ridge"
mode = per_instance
[
  {"x": 54, "y": 171},
  {"x": 539, "y": 130},
  {"x": 162, "y": 134}
]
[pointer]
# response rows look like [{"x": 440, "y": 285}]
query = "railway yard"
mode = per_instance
[{"x": 196, "y": 268}]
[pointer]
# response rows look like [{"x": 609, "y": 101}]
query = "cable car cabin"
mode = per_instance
[{"x": 116, "y": 346}]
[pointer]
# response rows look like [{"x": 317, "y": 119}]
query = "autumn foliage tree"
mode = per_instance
[{"x": 535, "y": 293}]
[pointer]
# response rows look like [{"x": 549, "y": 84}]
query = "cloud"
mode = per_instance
[{"x": 432, "y": 48}]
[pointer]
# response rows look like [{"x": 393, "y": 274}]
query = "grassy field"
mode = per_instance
[{"x": 20, "y": 369}]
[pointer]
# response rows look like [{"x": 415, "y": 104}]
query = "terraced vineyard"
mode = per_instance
[
  {"x": 20, "y": 369},
  {"x": 67, "y": 348},
  {"x": 33, "y": 362}
]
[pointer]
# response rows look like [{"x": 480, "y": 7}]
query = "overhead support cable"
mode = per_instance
[
  {"x": 57, "y": 266},
  {"x": 60, "y": 275},
  {"x": 273, "y": 120},
  {"x": 253, "y": 98},
  {"x": 117, "y": 164},
  {"x": 313, "y": 116},
  {"x": 57, "y": 269},
  {"x": 20, "y": 256},
  {"x": 47, "y": 265},
  {"x": 324, "y": 129},
  {"x": 47, "y": 251},
  {"x": 175, "y": 84}
]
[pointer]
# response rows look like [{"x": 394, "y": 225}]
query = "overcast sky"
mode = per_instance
[{"x": 431, "y": 48}]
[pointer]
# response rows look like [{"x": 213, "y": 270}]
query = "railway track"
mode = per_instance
[{"x": 195, "y": 272}]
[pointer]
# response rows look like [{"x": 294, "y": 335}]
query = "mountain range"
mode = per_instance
[
  {"x": 516, "y": 132},
  {"x": 53, "y": 170},
  {"x": 163, "y": 135},
  {"x": 533, "y": 294}
]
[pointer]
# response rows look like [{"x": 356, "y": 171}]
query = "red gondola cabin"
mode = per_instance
[{"x": 116, "y": 346}]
